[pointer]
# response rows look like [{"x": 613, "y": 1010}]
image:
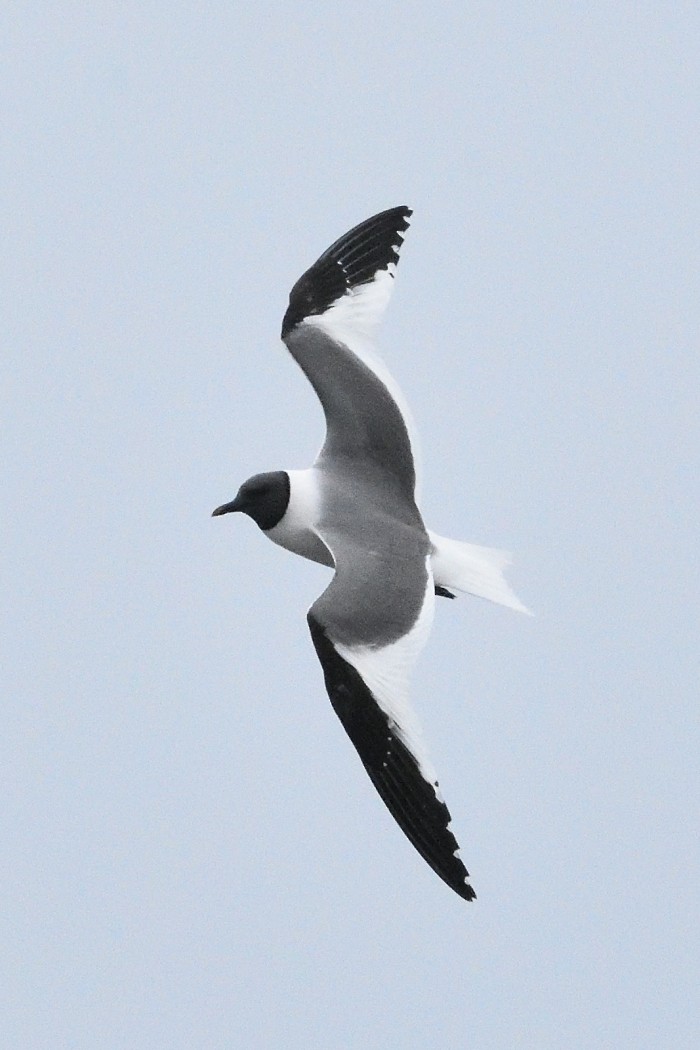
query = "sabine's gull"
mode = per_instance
[{"x": 355, "y": 511}]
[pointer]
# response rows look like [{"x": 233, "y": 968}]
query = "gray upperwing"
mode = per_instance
[
  {"x": 363, "y": 421},
  {"x": 378, "y": 589}
]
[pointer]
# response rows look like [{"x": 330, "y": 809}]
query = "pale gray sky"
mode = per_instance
[{"x": 193, "y": 856}]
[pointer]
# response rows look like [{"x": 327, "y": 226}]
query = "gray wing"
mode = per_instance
[
  {"x": 368, "y": 627},
  {"x": 367, "y": 687},
  {"x": 328, "y": 328},
  {"x": 370, "y": 623}
]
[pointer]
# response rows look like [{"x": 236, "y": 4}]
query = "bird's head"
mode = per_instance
[{"x": 264, "y": 498}]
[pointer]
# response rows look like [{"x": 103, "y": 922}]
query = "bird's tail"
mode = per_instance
[{"x": 473, "y": 569}]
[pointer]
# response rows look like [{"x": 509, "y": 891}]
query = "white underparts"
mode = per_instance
[{"x": 296, "y": 532}]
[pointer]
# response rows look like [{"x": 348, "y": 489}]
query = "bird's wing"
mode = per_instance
[
  {"x": 370, "y": 623},
  {"x": 368, "y": 628},
  {"x": 328, "y": 328}
]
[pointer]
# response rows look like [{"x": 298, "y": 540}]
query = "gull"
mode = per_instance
[{"x": 355, "y": 511}]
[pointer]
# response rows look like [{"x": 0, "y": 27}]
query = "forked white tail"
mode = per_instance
[{"x": 473, "y": 569}]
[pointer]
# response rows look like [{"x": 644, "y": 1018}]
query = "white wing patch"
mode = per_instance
[
  {"x": 386, "y": 672},
  {"x": 361, "y": 308}
]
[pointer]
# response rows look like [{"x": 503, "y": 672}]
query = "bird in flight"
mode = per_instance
[{"x": 355, "y": 511}]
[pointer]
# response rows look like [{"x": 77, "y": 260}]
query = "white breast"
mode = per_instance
[{"x": 296, "y": 532}]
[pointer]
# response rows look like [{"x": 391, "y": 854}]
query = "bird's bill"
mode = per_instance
[{"x": 227, "y": 508}]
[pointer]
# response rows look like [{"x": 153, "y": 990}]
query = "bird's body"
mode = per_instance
[{"x": 355, "y": 510}]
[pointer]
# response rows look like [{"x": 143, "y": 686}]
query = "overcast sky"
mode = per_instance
[{"x": 193, "y": 855}]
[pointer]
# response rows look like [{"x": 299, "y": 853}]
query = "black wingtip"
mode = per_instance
[
  {"x": 351, "y": 260},
  {"x": 443, "y": 592},
  {"x": 411, "y": 799}
]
